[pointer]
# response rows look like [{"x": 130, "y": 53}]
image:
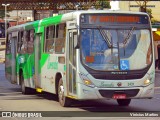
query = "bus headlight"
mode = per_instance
[
  {"x": 147, "y": 82},
  {"x": 149, "y": 79},
  {"x": 86, "y": 81}
]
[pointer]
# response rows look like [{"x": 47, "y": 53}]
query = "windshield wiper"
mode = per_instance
[
  {"x": 127, "y": 38},
  {"x": 105, "y": 37},
  {"x": 129, "y": 35}
]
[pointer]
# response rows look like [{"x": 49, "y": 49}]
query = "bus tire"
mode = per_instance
[
  {"x": 24, "y": 89},
  {"x": 64, "y": 101},
  {"x": 123, "y": 102}
]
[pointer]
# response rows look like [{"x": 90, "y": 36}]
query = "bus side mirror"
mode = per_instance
[{"x": 75, "y": 40}]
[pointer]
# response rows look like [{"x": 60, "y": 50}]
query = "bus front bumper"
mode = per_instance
[{"x": 85, "y": 92}]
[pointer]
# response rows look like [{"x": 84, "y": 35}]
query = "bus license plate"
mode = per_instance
[{"x": 119, "y": 96}]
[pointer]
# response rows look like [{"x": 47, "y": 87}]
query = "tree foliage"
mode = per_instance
[
  {"x": 103, "y": 4},
  {"x": 143, "y": 7},
  {"x": 149, "y": 11}
]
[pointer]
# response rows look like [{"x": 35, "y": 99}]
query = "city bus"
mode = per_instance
[{"x": 84, "y": 55}]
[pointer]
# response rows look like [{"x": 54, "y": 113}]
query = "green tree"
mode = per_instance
[
  {"x": 149, "y": 11},
  {"x": 103, "y": 4},
  {"x": 143, "y": 7},
  {"x": 142, "y": 4}
]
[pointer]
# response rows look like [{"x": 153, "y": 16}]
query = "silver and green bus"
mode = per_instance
[{"x": 84, "y": 55}]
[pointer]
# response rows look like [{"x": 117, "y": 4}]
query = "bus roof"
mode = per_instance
[
  {"x": 22, "y": 26},
  {"x": 68, "y": 16}
]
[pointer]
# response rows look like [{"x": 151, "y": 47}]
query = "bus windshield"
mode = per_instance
[{"x": 116, "y": 49}]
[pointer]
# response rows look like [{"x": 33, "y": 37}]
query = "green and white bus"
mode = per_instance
[{"x": 82, "y": 55}]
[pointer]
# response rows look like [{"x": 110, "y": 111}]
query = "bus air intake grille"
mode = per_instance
[{"x": 109, "y": 93}]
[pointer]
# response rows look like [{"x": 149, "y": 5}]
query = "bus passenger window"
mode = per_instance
[
  {"x": 61, "y": 30},
  {"x": 57, "y": 28},
  {"x": 8, "y": 44},
  {"x": 25, "y": 42},
  {"x": 50, "y": 32},
  {"x": 59, "y": 45},
  {"x": 60, "y": 41},
  {"x": 47, "y": 32},
  {"x": 20, "y": 46},
  {"x": 49, "y": 39},
  {"x": 49, "y": 48},
  {"x": 30, "y": 41}
]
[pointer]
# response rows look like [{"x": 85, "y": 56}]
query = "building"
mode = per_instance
[
  {"x": 133, "y": 6},
  {"x": 28, "y": 15},
  {"x": 21, "y": 15}
]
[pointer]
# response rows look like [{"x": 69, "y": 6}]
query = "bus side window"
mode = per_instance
[
  {"x": 30, "y": 41},
  {"x": 56, "y": 30},
  {"x": 60, "y": 41},
  {"x": 8, "y": 44},
  {"x": 19, "y": 44},
  {"x": 49, "y": 39},
  {"x": 25, "y": 41}
]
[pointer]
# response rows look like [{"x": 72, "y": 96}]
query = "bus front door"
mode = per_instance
[
  {"x": 37, "y": 47},
  {"x": 71, "y": 66}
]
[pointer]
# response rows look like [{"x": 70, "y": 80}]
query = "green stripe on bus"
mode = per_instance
[{"x": 50, "y": 21}]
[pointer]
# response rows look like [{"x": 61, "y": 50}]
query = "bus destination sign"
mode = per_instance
[
  {"x": 121, "y": 19},
  {"x": 114, "y": 18}
]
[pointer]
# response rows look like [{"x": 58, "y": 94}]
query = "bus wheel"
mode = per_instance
[
  {"x": 123, "y": 102},
  {"x": 24, "y": 89},
  {"x": 64, "y": 101}
]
